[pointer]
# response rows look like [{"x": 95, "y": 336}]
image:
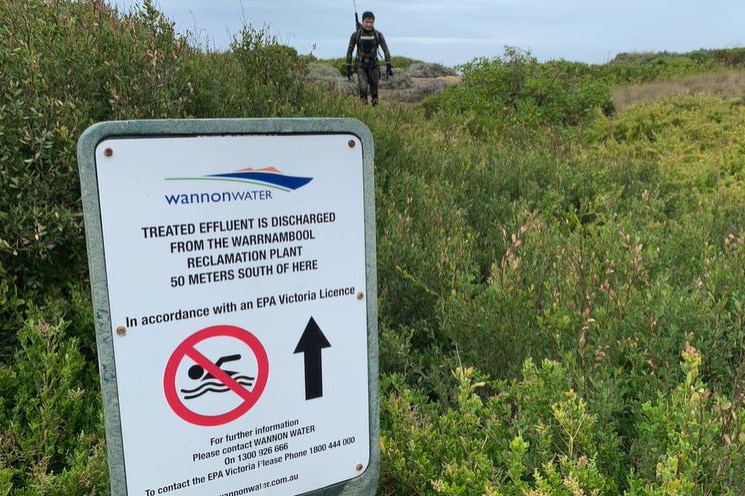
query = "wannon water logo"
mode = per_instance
[{"x": 268, "y": 178}]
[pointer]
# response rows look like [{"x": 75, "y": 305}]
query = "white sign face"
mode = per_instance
[{"x": 237, "y": 289}]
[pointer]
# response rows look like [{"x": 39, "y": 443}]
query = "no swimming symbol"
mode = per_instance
[{"x": 197, "y": 387}]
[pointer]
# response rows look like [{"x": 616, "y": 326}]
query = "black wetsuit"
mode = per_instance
[{"x": 368, "y": 69}]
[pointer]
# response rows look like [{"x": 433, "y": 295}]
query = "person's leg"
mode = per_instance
[
  {"x": 362, "y": 80},
  {"x": 374, "y": 79}
]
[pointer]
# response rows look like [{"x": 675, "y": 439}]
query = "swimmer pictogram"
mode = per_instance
[
  {"x": 201, "y": 391},
  {"x": 208, "y": 383}
]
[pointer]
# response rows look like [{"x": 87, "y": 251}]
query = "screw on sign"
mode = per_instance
[{"x": 197, "y": 387}]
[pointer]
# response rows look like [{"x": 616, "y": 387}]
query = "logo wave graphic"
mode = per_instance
[{"x": 268, "y": 176}]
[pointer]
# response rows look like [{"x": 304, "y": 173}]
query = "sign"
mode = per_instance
[
  {"x": 206, "y": 376},
  {"x": 232, "y": 265}
]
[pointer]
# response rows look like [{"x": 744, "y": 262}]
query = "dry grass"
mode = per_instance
[
  {"x": 725, "y": 84},
  {"x": 419, "y": 89}
]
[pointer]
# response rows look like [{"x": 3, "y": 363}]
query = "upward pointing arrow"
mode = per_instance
[{"x": 311, "y": 343}]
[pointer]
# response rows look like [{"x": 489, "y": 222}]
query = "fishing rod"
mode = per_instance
[{"x": 357, "y": 24}]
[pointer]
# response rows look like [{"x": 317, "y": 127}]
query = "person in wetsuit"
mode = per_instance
[{"x": 367, "y": 40}]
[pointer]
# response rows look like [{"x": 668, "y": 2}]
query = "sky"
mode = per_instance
[{"x": 453, "y": 32}]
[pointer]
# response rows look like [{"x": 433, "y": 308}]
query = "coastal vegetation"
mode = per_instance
[{"x": 560, "y": 248}]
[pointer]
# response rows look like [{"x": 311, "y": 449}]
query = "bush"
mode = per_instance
[
  {"x": 66, "y": 65},
  {"x": 537, "y": 435},
  {"x": 553, "y": 255},
  {"x": 636, "y": 68},
  {"x": 690, "y": 441},
  {"x": 517, "y": 89},
  {"x": 50, "y": 414},
  {"x": 498, "y": 441},
  {"x": 272, "y": 75},
  {"x": 258, "y": 78},
  {"x": 424, "y": 70}
]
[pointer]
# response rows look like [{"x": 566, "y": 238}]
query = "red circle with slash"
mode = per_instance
[{"x": 187, "y": 349}]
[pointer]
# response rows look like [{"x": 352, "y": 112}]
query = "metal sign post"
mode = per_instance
[{"x": 232, "y": 265}]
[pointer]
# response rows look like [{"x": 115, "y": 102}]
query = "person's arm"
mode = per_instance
[
  {"x": 384, "y": 46},
  {"x": 350, "y": 48},
  {"x": 386, "y": 54}
]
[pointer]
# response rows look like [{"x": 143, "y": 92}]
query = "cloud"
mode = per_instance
[
  {"x": 429, "y": 40},
  {"x": 452, "y": 32}
]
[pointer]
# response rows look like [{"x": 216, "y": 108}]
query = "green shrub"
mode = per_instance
[
  {"x": 273, "y": 74},
  {"x": 425, "y": 70},
  {"x": 641, "y": 67},
  {"x": 498, "y": 442},
  {"x": 258, "y": 77},
  {"x": 517, "y": 89},
  {"x": 690, "y": 441},
  {"x": 50, "y": 415},
  {"x": 651, "y": 66},
  {"x": 537, "y": 435},
  {"x": 525, "y": 234},
  {"x": 59, "y": 79}
]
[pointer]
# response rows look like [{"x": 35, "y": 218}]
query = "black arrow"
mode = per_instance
[{"x": 311, "y": 343}]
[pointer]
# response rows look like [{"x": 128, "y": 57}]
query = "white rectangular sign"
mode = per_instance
[{"x": 236, "y": 276}]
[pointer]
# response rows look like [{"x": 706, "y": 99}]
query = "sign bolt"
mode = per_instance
[
  {"x": 359, "y": 467},
  {"x": 108, "y": 152},
  {"x": 121, "y": 330},
  {"x": 351, "y": 143},
  {"x": 360, "y": 295}
]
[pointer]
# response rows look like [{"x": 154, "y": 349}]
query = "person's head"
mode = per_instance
[{"x": 368, "y": 20}]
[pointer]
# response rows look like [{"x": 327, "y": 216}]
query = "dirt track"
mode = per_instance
[{"x": 414, "y": 90}]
